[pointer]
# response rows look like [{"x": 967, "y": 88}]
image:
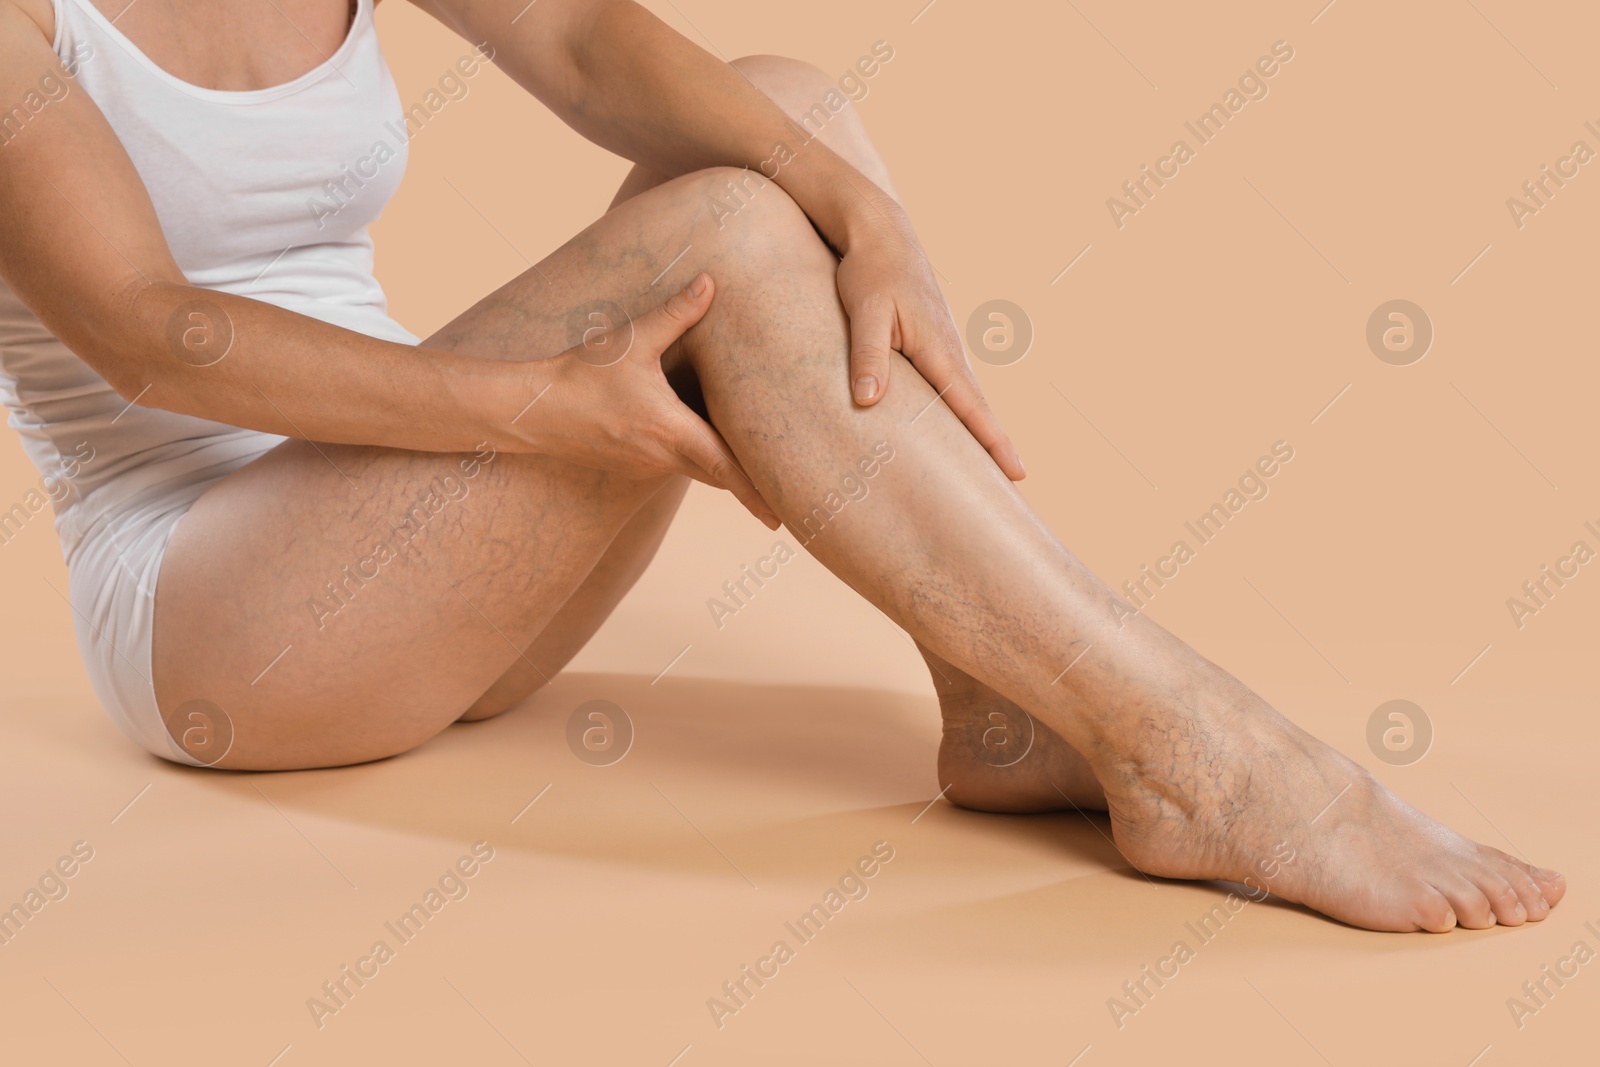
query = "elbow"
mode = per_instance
[
  {"x": 129, "y": 374},
  {"x": 149, "y": 326},
  {"x": 126, "y": 382}
]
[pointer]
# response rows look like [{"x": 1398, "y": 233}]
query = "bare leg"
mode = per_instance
[
  {"x": 1203, "y": 779},
  {"x": 355, "y": 642},
  {"x": 976, "y": 767}
]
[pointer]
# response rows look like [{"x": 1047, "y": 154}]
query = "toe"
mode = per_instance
[
  {"x": 1552, "y": 886},
  {"x": 1527, "y": 890},
  {"x": 1433, "y": 911},
  {"x": 1471, "y": 907},
  {"x": 1504, "y": 900}
]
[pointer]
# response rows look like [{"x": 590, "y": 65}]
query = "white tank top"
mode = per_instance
[{"x": 264, "y": 193}]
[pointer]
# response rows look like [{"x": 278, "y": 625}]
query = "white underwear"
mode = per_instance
[{"x": 112, "y": 582}]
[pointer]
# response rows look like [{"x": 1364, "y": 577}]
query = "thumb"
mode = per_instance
[
  {"x": 871, "y": 333},
  {"x": 666, "y": 323}
]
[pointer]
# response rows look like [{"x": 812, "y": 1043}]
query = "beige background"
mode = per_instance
[{"x": 1223, "y": 317}]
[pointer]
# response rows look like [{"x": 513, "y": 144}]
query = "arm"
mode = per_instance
[
  {"x": 629, "y": 83},
  {"x": 80, "y": 243}
]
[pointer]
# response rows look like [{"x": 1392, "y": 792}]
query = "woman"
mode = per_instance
[{"x": 380, "y": 535}]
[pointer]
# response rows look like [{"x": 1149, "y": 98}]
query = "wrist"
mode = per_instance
[{"x": 497, "y": 402}]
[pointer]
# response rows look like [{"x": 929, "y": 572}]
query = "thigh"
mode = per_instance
[{"x": 342, "y": 603}]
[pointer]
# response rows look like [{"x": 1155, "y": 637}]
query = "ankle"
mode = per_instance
[{"x": 1197, "y": 724}]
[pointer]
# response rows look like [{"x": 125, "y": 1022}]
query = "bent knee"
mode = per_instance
[
  {"x": 822, "y": 107},
  {"x": 742, "y": 211},
  {"x": 793, "y": 84}
]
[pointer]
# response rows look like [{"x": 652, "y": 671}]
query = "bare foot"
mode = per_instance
[
  {"x": 996, "y": 757},
  {"x": 1229, "y": 789}
]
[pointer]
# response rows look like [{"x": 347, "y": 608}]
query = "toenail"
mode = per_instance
[{"x": 1521, "y": 912}]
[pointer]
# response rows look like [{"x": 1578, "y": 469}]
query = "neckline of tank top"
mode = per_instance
[{"x": 330, "y": 65}]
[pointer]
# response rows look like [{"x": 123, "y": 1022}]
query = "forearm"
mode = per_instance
[
  {"x": 640, "y": 89},
  {"x": 251, "y": 364}
]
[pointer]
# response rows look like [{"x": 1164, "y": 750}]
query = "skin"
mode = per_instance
[{"x": 744, "y": 377}]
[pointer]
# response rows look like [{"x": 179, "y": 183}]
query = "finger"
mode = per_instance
[
  {"x": 871, "y": 330},
  {"x": 952, "y": 375},
  {"x": 706, "y": 457},
  {"x": 662, "y": 325}
]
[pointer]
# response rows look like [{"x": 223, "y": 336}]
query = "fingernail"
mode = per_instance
[
  {"x": 866, "y": 387},
  {"x": 698, "y": 286},
  {"x": 1018, "y": 458}
]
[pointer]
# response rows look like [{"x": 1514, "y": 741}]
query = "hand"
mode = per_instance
[
  {"x": 620, "y": 414},
  {"x": 887, "y": 287}
]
